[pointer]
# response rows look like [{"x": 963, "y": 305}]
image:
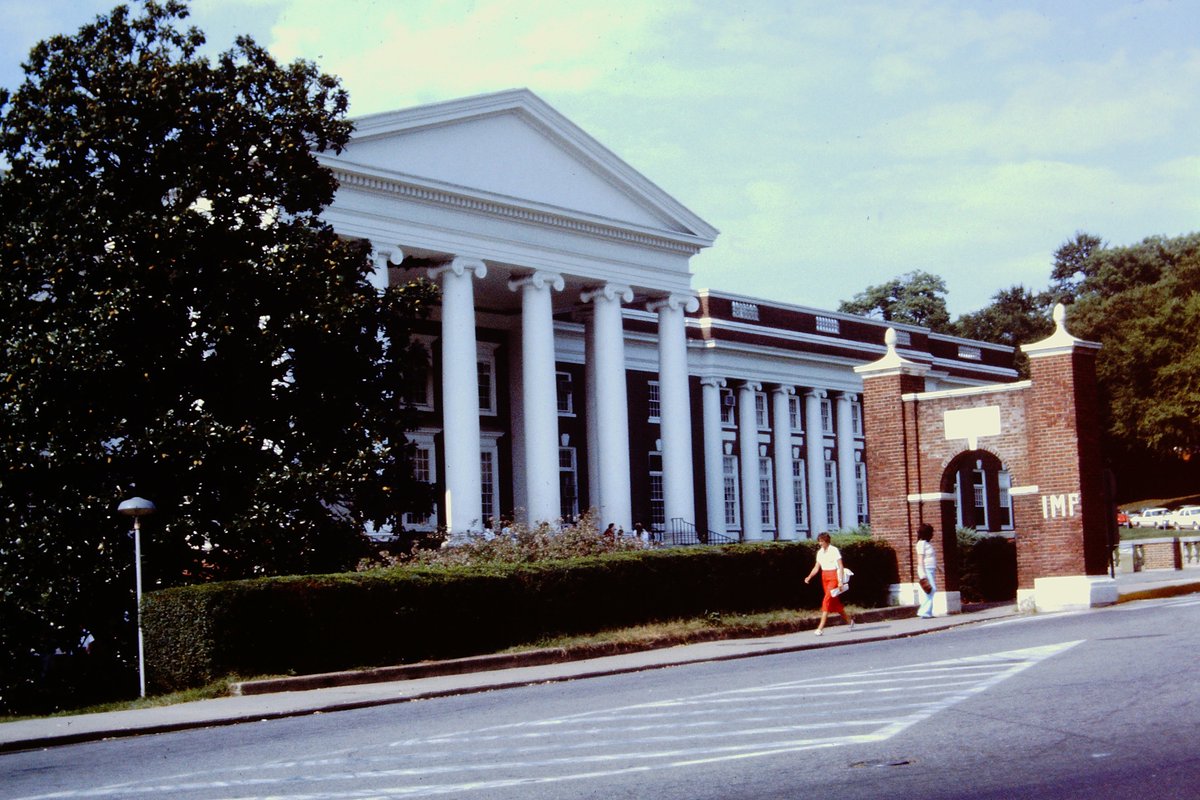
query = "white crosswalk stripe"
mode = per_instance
[{"x": 744, "y": 723}]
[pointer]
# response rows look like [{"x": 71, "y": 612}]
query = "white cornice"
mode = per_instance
[{"x": 423, "y": 190}]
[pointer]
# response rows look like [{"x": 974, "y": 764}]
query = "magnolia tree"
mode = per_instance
[{"x": 177, "y": 322}]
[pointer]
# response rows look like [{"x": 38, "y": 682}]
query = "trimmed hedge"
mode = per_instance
[
  {"x": 987, "y": 567},
  {"x": 320, "y": 623}
]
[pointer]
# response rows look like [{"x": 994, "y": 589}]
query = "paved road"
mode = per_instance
[{"x": 1089, "y": 705}]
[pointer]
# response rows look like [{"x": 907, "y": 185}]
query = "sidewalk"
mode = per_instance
[{"x": 261, "y": 700}]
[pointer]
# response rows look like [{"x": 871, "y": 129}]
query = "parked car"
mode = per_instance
[
  {"x": 1148, "y": 518},
  {"x": 1184, "y": 517}
]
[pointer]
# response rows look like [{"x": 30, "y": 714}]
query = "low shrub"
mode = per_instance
[
  {"x": 987, "y": 567},
  {"x": 307, "y": 624}
]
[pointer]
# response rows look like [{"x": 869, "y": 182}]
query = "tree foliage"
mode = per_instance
[
  {"x": 1016, "y": 316},
  {"x": 916, "y": 298},
  {"x": 1142, "y": 303},
  {"x": 176, "y": 317}
]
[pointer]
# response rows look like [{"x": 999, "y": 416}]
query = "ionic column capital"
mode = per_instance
[
  {"x": 785, "y": 390},
  {"x": 539, "y": 279},
  {"x": 847, "y": 397},
  {"x": 718, "y": 383},
  {"x": 750, "y": 386},
  {"x": 609, "y": 292},
  {"x": 819, "y": 394},
  {"x": 459, "y": 266},
  {"x": 674, "y": 302},
  {"x": 384, "y": 254}
]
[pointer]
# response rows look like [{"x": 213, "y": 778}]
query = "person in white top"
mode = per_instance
[
  {"x": 833, "y": 577},
  {"x": 927, "y": 567}
]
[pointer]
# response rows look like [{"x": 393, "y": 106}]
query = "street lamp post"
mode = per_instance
[{"x": 138, "y": 507}]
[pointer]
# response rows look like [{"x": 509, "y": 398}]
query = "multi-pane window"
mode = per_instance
[
  {"x": 729, "y": 476},
  {"x": 856, "y": 420},
  {"x": 568, "y": 483},
  {"x": 487, "y": 385},
  {"x": 658, "y": 514},
  {"x": 795, "y": 413},
  {"x": 566, "y": 397},
  {"x": 980, "y": 495},
  {"x": 1005, "y": 485},
  {"x": 655, "y": 402},
  {"x": 728, "y": 404},
  {"x": 860, "y": 491},
  {"x": 424, "y": 470},
  {"x": 417, "y": 390},
  {"x": 760, "y": 411},
  {"x": 487, "y": 475},
  {"x": 766, "y": 499},
  {"x": 826, "y": 415},
  {"x": 800, "y": 490},
  {"x": 831, "y": 494}
]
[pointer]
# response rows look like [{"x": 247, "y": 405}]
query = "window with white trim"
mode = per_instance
[
  {"x": 826, "y": 415},
  {"x": 831, "y": 495},
  {"x": 827, "y": 325},
  {"x": 488, "y": 487},
  {"x": 658, "y": 514},
  {"x": 800, "y": 490},
  {"x": 728, "y": 408},
  {"x": 566, "y": 396},
  {"x": 1004, "y": 479},
  {"x": 655, "y": 414},
  {"x": 795, "y": 414},
  {"x": 424, "y": 463},
  {"x": 760, "y": 411},
  {"x": 486, "y": 366},
  {"x": 729, "y": 478},
  {"x": 856, "y": 418},
  {"x": 860, "y": 491},
  {"x": 568, "y": 483},
  {"x": 766, "y": 493}
]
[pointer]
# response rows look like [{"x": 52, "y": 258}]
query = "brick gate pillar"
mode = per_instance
[
  {"x": 890, "y": 455},
  {"x": 1062, "y": 561}
]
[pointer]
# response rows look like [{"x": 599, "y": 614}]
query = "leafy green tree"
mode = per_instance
[
  {"x": 1073, "y": 265},
  {"x": 1142, "y": 303},
  {"x": 1015, "y": 317},
  {"x": 916, "y": 298},
  {"x": 177, "y": 321}
]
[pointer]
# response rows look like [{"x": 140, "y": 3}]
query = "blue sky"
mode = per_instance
[{"x": 835, "y": 145}]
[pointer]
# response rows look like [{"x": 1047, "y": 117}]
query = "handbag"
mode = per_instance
[{"x": 925, "y": 585}]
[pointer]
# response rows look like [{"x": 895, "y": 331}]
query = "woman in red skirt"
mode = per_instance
[{"x": 829, "y": 564}]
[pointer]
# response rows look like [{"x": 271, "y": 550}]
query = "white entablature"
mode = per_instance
[{"x": 505, "y": 178}]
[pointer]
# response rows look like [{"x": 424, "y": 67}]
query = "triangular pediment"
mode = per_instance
[{"x": 513, "y": 145}]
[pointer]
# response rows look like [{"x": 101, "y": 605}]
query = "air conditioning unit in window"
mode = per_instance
[{"x": 729, "y": 400}]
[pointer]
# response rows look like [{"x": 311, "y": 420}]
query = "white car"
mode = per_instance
[
  {"x": 1148, "y": 518},
  {"x": 1184, "y": 517}
]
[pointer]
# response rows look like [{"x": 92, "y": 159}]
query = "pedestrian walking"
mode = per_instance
[
  {"x": 927, "y": 567},
  {"x": 833, "y": 577}
]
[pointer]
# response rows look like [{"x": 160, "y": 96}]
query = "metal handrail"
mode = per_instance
[{"x": 681, "y": 533}]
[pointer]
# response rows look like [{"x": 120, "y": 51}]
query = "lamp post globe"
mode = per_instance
[{"x": 138, "y": 507}]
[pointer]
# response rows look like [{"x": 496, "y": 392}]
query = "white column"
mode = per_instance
[
  {"x": 714, "y": 454},
  {"x": 785, "y": 487},
  {"x": 814, "y": 441},
  {"x": 847, "y": 495},
  {"x": 383, "y": 257},
  {"x": 752, "y": 529},
  {"x": 610, "y": 406},
  {"x": 591, "y": 412},
  {"x": 462, "y": 508},
  {"x": 539, "y": 396},
  {"x": 679, "y": 499}
]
